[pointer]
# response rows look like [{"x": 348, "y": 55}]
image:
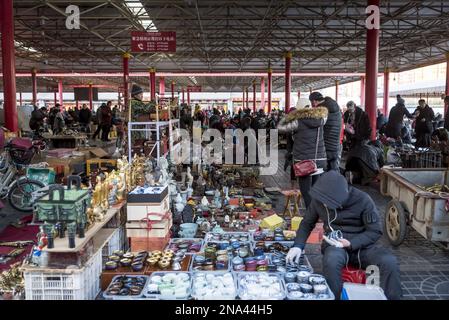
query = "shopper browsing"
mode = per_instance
[
  {"x": 332, "y": 128},
  {"x": 85, "y": 116},
  {"x": 306, "y": 125},
  {"x": 395, "y": 124},
  {"x": 352, "y": 227},
  {"x": 357, "y": 125}
]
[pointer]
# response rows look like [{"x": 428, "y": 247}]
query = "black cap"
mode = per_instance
[{"x": 316, "y": 96}]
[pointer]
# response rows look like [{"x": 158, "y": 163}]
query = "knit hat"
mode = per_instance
[
  {"x": 136, "y": 90},
  {"x": 350, "y": 105},
  {"x": 316, "y": 96},
  {"x": 400, "y": 100}
]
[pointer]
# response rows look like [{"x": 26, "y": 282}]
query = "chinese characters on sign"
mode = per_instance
[
  {"x": 142, "y": 41},
  {"x": 194, "y": 88}
]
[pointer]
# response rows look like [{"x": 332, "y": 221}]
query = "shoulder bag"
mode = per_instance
[{"x": 305, "y": 168}]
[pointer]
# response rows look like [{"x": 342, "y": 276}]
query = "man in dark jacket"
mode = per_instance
[
  {"x": 332, "y": 128},
  {"x": 381, "y": 121},
  {"x": 351, "y": 212},
  {"x": 186, "y": 121},
  {"x": 215, "y": 121},
  {"x": 396, "y": 119},
  {"x": 106, "y": 121},
  {"x": 357, "y": 125},
  {"x": 85, "y": 117},
  {"x": 37, "y": 120},
  {"x": 424, "y": 124},
  {"x": 364, "y": 161}
]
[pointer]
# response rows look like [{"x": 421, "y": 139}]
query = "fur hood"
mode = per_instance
[{"x": 307, "y": 113}]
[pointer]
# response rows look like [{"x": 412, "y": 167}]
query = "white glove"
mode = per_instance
[
  {"x": 293, "y": 255},
  {"x": 333, "y": 242}
]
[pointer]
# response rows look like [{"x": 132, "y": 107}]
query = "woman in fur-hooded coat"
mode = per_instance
[{"x": 306, "y": 126}]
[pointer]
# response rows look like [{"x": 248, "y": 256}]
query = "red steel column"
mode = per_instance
[
  {"x": 247, "y": 97},
  {"x": 336, "y": 90},
  {"x": 386, "y": 91},
  {"x": 77, "y": 104},
  {"x": 153, "y": 83},
  {"x": 183, "y": 100},
  {"x": 299, "y": 94},
  {"x": 243, "y": 100},
  {"x": 34, "y": 86},
  {"x": 91, "y": 96},
  {"x": 172, "y": 90},
  {"x": 362, "y": 91},
  {"x": 161, "y": 86},
  {"x": 269, "y": 88},
  {"x": 254, "y": 95},
  {"x": 262, "y": 93},
  {"x": 447, "y": 74},
  {"x": 372, "y": 65},
  {"x": 9, "y": 65},
  {"x": 126, "y": 57},
  {"x": 60, "y": 93},
  {"x": 288, "y": 79}
]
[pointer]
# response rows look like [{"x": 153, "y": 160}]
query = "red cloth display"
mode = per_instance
[{"x": 11, "y": 233}]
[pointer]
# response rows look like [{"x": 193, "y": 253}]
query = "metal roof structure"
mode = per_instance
[{"x": 226, "y": 36}]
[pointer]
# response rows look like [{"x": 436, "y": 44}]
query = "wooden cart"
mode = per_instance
[{"x": 413, "y": 206}]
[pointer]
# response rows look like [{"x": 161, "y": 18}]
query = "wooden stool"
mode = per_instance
[{"x": 293, "y": 198}]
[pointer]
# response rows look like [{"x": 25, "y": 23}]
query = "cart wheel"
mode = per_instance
[{"x": 395, "y": 223}]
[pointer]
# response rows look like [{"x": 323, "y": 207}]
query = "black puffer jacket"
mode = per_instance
[
  {"x": 396, "y": 120},
  {"x": 332, "y": 128},
  {"x": 349, "y": 210},
  {"x": 306, "y": 125},
  {"x": 369, "y": 153}
]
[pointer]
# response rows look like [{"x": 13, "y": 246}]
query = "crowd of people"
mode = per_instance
[{"x": 57, "y": 119}]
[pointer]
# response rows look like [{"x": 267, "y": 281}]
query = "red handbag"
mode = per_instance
[{"x": 305, "y": 168}]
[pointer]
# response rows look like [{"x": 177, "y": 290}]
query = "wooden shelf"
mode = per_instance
[
  {"x": 102, "y": 237},
  {"x": 62, "y": 245}
]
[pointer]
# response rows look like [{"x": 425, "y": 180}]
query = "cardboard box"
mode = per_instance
[
  {"x": 139, "y": 211},
  {"x": 157, "y": 230},
  {"x": 296, "y": 221},
  {"x": 59, "y": 153},
  {"x": 272, "y": 222},
  {"x": 148, "y": 197}
]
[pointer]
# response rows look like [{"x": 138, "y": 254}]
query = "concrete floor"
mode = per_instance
[{"x": 424, "y": 265}]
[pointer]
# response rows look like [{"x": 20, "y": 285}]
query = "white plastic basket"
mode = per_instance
[
  {"x": 116, "y": 242},
  {"x": 69, "y": 284}
]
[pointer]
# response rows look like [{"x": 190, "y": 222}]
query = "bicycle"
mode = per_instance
[{"x": 14, "y": 185}]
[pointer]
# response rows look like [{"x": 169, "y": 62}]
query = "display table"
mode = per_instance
[{"x": 65, "y": 141}]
